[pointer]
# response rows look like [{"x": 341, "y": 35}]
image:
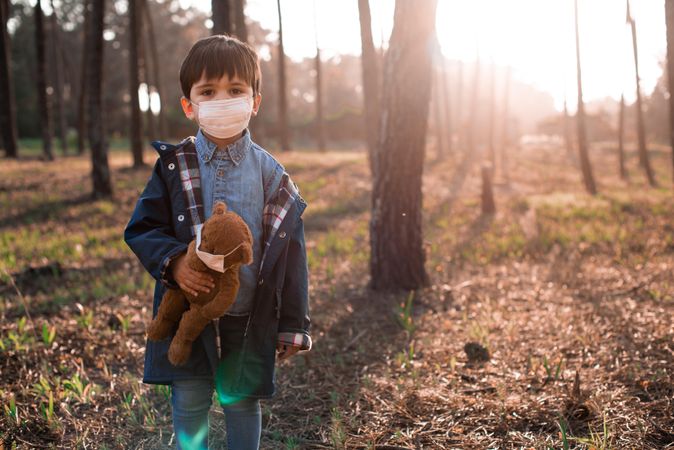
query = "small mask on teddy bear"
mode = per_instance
[{"x": 223, "y": 243}]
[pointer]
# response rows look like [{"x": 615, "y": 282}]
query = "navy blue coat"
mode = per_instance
[{"x": 160, "y": 229}]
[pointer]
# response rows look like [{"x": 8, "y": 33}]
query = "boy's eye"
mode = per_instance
[
  {"x": 236, "y": 91},
  {"x": 206, "y": 92}
]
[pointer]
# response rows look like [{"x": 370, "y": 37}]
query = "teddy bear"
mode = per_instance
[{"x": 222, "y": 244}]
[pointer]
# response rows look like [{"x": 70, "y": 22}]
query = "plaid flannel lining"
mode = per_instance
[
  {"x": 274, "y": 212},
  {"x": 301, "y": 340},
  {"x": 186, "y": 155}
]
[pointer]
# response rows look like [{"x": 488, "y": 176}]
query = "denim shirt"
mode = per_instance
[{"x": 244, "y": 176}]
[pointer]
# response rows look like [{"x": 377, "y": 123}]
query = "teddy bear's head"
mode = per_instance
[{"x": 226, "y": 233}]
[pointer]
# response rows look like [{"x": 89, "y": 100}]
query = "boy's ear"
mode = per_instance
[
  {"x": 256, "y": 103},
  {"x": 187, "y": 107}
]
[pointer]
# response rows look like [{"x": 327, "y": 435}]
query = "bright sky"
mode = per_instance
[{"x": 535, "y": 37}]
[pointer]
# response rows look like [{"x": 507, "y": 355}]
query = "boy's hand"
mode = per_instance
[
  {"x": 285, "y": 351},
  {"x": 188, "y": 279}
]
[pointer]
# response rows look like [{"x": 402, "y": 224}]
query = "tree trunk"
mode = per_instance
[
  {"x": 446, "y": 103},
  {"x": 136, "y": 125},
  {"x": 488, "y": 203},
  {"x": 371, "y": 80},
  {"x": 284, "y": 133},
  {"x": 460, "y": 117},
  {"x": 58, "y": 79},
  {"x": 163, "y": 127},
  {"x": 222, "y": 22},
  {"x": 585, "y": 165},
  {"x": 320, "y": 120},
  {"x": 100, "y": 172},
  {"x": 397, "y": 253},
  {"x": 240, "y": 29},
  {"x": 568, "y": 140},
  {"x": 43, "y": 97},
  {"x": 7, "y": 105},
  {"x": 84, "y": 77},
  {"x": 471, "y": 137},
  {"x": 145, "y": 71},
  {"x": 669, "y": 17},
  {"x": 644, "y": 160},
  {"x": 621, "y": 134},
  {"x": 437, "y": 113},
  {"x": 504, "y": 124},
  {"x": 492, "y": 116}
]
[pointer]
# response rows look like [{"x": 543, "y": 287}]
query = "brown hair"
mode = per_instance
[{"x": 218, "y": 55}]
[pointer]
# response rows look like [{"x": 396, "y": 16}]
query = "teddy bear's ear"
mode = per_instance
[{"x": 219, "y": 208}]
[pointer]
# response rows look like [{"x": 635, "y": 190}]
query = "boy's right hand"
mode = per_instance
[{"x": 189, "y": 279}]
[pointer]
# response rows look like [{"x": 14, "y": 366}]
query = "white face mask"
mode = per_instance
[
  {"x": 225, "y": 118},
  {"x": 215, "y": 262}
]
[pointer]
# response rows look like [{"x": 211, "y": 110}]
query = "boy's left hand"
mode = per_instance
[{"x": 285, "y": 351}]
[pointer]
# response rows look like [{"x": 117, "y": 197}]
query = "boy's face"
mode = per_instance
[{"x": 224, "y": 88}]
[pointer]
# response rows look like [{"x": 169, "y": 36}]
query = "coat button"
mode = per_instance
[
  {"x": 282, "y": 234},
  {"x": 181, "y": 218},
  {"x": 163, "y": 147},
  {"x": 260, "y": 282},
  {"x": 171, "y": 166}
]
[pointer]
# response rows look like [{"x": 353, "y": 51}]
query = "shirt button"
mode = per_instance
[
  {"x": 260, "y": 282},
  {"x": 282, "y": 234},
  {"x": 181, "y": 218},
  {"x": 171, "y": 166},
  {"x": 163, "y": 147}
]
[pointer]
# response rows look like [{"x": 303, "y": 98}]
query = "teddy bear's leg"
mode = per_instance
[
  {"x": 171, "y": 309},
  {"x": 191, "y": 325},
  {"x": 228, "y": 286}
]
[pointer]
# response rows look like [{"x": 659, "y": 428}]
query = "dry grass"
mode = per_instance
[{"x": 572, "y": 297}]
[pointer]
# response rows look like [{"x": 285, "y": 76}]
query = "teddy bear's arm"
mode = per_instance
[{"x": 227, "y": 288}]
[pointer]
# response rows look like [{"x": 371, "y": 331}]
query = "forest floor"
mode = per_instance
[{"x": 571, "y": 296}]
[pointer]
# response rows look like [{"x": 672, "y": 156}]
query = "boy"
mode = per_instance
[{"x": 220, "y": 81}]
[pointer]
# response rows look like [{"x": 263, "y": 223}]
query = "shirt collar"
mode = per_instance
[{"x": 236, "y": 150}]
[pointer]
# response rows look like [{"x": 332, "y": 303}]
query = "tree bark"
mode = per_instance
[
  {"x": 145, "y": 71},
  {"x": 504, "y": 126},
  {"x": 320, "y": 120},
  {"x": 446, "y": 103},
  {"x": 669, "y": 16},
  {"x": 488, "y": 203},
  {"x": 43, "y": 97},
  {"x": 371, "y": 80},
  {"x": 474, "y": 109},
  {"x": 222, "y": 21},
  {"x": 586, "y": 167},
  {"x": 641, "y": 127},
  {"x": 492, "y": 116},
  {"x": 437, "y": 113},
  {"x": 159, "y": 85},
  {"x": 621, "y": 134},
  {"x": 240, "y": 29},
  {"x": 284, "y": 132},
  {"x": 397, "y": 254},
  {"x": 84, "y": 76},
  {"x": 7, "y": 104},
  {"x": 58, "y": 79},
  {"x": 136, "y": 125},
  {"x": 568, "y": 140},
  {"x": 100, "y": 172}
]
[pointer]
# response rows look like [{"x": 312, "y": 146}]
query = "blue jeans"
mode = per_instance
[{"x": 191, "y": 401}]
